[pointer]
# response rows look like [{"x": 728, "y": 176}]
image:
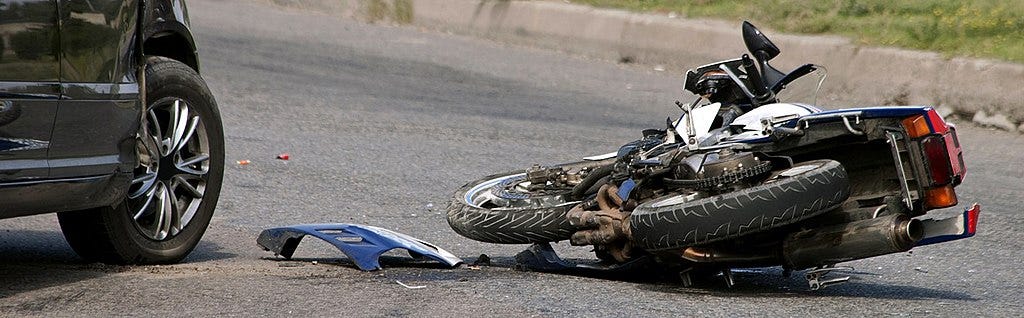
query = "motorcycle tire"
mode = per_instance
[
  {"x": 512, "y": 225},
  {"x": 805, "y": 190}
]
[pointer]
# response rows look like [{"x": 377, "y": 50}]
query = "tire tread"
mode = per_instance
[
  {"x": 507, "y": 226},
  {"x": 741, "y": 212}
]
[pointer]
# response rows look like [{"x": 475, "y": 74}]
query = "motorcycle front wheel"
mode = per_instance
[{"x": 501, "y": 209}]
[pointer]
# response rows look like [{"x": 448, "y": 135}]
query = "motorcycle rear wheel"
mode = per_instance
[{"x": 676, "y": 221}]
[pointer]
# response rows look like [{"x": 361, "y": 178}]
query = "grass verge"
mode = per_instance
[{"x": 977, "y": 28}]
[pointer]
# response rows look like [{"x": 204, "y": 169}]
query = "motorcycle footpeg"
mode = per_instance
[
  {"x": 816, "y": 277},
  {"x": 728, "y": 278}
]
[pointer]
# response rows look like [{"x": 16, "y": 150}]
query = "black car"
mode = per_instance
[{"x": 105, "y": 119}]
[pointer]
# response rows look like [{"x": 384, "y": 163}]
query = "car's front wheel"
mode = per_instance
[{"x": 175, "y": 185}]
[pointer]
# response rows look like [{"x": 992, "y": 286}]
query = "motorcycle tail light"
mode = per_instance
[
  {"x": 916, "y": 126},
  {"x": 939, "y": 166},
  {"x": 956, "y": 156},
  {"x": 941, "y": 197}
]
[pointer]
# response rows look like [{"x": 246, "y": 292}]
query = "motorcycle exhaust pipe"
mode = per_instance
[
  {"x": 855, "y": 240},
  {"x": 710, "y": 255}
]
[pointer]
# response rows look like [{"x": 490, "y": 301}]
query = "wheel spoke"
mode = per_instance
[
  {"x": 173, "y": 215},
  {"x": 144, "y": 148},
  {"x": 145, "y": 183},
  {"x": 164, "y": 213},
  {"x": 145, "y": 205},
  {"x": 146, "y": 178},
  {"x": 186, "y": 165},
  {"x": 156, "y": 132},
  {"x": 150, "y": 143},
  {"x": 174, "y": 226},
  {"x": 190, "y": 131},
  {"x": 181, "y": 181},
  {"x": 178, "y": 124}
]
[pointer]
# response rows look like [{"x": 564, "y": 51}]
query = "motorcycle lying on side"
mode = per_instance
[{"x": 743, "y": 178}]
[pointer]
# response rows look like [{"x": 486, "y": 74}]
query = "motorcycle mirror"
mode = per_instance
[
  {"x": 758, "y": 44},
  {"x": 763, "y": 50}
]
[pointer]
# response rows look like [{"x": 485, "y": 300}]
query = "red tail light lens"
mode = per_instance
[{"x": 939, "y": 165}]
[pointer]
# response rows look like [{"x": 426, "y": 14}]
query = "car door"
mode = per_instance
[
  {"x": 99, "y": 111},
  {"x": 29, "y": 87}
]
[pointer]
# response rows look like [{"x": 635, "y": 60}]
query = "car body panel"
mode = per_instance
[
  {"x": 41, "y": 196},
  {"x": 98, "y": 81},
  {"x": 29, "y": 87},
  {"x": 110, "y": 146}
]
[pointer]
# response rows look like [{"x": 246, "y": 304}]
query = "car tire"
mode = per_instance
[{"x": 171, "y": 199}]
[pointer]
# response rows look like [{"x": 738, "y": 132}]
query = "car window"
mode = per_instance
[
  {"x": 96, "y": 40},
  {"x": 28, "y": 40}
]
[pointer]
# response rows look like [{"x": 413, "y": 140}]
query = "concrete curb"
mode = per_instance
[{"x": 862, "y": 76}]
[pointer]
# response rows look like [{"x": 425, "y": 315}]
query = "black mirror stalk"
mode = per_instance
[{"x": 762, "y": 95}]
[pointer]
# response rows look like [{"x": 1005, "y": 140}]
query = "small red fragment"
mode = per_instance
[
  {"x": 242, "y": 162},
  {"x": 284, "y": 156}
]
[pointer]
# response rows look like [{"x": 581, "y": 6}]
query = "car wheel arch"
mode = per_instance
[{"x": 173, "y": 44}]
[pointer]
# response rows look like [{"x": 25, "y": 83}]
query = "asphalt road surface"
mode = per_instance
[{"x": 382, "y": 123}]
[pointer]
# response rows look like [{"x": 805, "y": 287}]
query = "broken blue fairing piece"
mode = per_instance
[{"x": 363, "y": 244}]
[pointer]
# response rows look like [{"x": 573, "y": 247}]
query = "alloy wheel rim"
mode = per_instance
[
  {"x": 170, "y": 180},
  {"x": 483, "y": 195}
]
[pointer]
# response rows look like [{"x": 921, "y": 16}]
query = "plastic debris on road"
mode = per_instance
[
  {"x": 242, "y": 162},
  {"x": 363, "y": 244},
  {"x": 284, "y": 156},
  {"x": 409, "y": 287}
]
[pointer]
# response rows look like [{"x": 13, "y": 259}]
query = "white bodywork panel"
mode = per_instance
[
  {"x": 703, "y": 117},
  {"x": 601, "y": 157},
  {"x": 750, "y": 122}
]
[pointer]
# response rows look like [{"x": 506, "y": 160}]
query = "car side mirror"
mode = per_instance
[{"x": 758, "y": 44}]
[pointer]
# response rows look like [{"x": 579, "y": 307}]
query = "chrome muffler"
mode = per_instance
[{"x": 850, "y": 241}]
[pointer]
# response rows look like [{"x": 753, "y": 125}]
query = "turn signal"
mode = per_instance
[
  {"x": 940, "y": 197},
  {"x": 916, "y": 126}
]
